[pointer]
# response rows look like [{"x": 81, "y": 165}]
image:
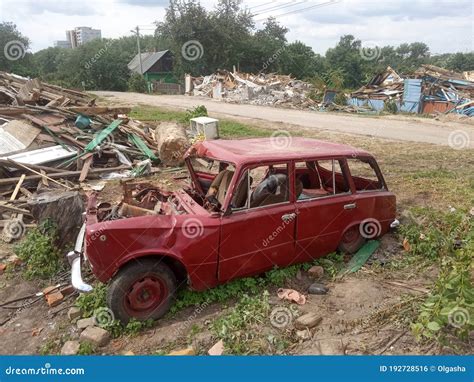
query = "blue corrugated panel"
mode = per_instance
[
  {"x": 374, "y": 104},
  {"x": 411, "y": 95}
]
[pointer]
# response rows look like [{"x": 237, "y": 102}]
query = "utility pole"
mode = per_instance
[{"x": 137, "y": 32}]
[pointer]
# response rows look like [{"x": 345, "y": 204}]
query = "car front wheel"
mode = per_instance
[{"x": 144, "y": 289}]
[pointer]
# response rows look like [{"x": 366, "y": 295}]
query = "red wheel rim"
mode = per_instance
[
  {"x": 351, "y": 235},
  {"x": 144, "y": 296}
]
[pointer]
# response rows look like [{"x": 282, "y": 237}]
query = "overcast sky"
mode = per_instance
[{"x": 446, "y": 26}]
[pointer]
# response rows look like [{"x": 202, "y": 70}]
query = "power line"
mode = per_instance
[
  {"x": 303, "y": 9},
  {"x": 278, "y": 7},
  {"x": 261, "y": 5}
]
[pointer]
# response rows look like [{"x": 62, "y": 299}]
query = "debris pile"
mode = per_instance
[
  {"x": 256, "y": 89},
  {"x": 53, "y": 140},
  {"x": 430, "y": 90},
  {"x": 383, "y": 86},
  {"x": 456, "y": 90},
  {"x": 19, "y": 91}
]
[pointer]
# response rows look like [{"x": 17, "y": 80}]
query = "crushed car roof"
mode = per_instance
[{"x": 271, "y": 149}]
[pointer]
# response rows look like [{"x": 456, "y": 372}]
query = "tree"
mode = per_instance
[
  {"x": 461, "y": 62},
  {"x": 346, "y": 57},
  {"x": 14, "y": 46}
]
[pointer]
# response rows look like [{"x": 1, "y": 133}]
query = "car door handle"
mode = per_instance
[
  {"x": 288, "y": 217},
  {"x": 350, "y": 206}
]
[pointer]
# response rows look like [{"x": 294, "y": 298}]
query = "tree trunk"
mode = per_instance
[
  {"x": 172, "y": 143},
  {"x": 64, "y": 208}
]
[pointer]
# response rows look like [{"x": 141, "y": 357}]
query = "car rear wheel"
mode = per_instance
[
  {"x": 352, "y": 240},
  {"x": 144, "y": 289}
]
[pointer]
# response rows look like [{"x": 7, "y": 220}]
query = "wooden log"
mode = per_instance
[
  {"x": 63, "y": 208},
  {"x": 172, "y": 143}
]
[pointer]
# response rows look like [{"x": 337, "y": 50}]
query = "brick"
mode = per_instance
[
  {"x": 54, "y": 299},
  {"x": 95, "y": 335},
  {"x": 308, "y": 320},
  {"x": 70, "y": 348}
]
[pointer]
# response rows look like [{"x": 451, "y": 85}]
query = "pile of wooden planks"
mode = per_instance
[{"x": 18, "y": 91}]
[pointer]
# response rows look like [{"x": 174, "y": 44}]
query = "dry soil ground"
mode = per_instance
[{"x": 362, "y": 313}]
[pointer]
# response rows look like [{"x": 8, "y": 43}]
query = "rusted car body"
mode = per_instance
[{"x": 251, "y": 205}]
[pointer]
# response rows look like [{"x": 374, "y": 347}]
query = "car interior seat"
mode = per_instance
[{"x": 272, "y": 190}]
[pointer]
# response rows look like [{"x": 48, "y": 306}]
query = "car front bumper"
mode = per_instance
[
  {"x": 394, "y": 224},
  {"x": 75, "y": 259}
]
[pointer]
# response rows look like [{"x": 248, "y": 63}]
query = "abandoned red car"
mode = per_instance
[{"x": 250, "y": 205}]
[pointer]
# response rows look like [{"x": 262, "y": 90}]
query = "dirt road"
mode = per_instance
[{"x": 456, "y": 134}]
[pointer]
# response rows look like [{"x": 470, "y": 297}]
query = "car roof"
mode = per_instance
[{"x": 276, "y": 148}]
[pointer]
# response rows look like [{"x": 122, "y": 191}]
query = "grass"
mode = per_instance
[{"x": 228, "y": 129}]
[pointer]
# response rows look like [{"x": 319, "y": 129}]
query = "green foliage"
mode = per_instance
[
  {"x": 86, "y": 348},
  {"x": 39, "y": 253},
  {"x": 434, "y": 234},
  {"x": 90, "y": 302},
  {"x": 47, "y": 348},
  {"x": 390, "y": 106},
  {"x": 331, "y": 263},
  {"x": 14, "y": 44},
  {"x": 137, "y": 83},
  {"x": 197, "y": 111},
  {"x": 448, "y": 238},
  {"x": 235, "y": 288},
  {"x": 240, "y": 328}
]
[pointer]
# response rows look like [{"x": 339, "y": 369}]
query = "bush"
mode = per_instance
[
  {"x": 198, "y": 111},
  {"x": 39, "y": 253},
  {"x": 137, "y": 83}
]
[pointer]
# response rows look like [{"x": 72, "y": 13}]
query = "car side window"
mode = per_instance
[
  {"x": 262, "y": 186},
  {"x": 364, "y": 174},
  {"x": 317, "y": 179}
]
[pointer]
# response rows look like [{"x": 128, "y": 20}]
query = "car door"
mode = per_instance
[
  {"x": 323, "y": 211},
  {"x": 255, "y": 238}
]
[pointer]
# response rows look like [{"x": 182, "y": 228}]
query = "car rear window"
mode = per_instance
[{"x": 364, "y": 174}]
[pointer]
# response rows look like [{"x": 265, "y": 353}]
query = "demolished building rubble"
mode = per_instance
[
  {"x": 55, "y": 140},
  {"x": 255, "y": 89}
]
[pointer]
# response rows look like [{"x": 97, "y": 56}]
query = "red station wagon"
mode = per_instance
[{"x": 251, "y": 205}]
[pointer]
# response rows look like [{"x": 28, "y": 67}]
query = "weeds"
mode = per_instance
[
  {"x": 90, "y": 302},
  {"x": 86, "y": 348},
  {"x": 39, "y": 253},
  {"x": 197, "y": 111},
  {"x": 241, "y": 328},
  {"x": 446, "y": 238},
  {"x": 249, "y": 285}
]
